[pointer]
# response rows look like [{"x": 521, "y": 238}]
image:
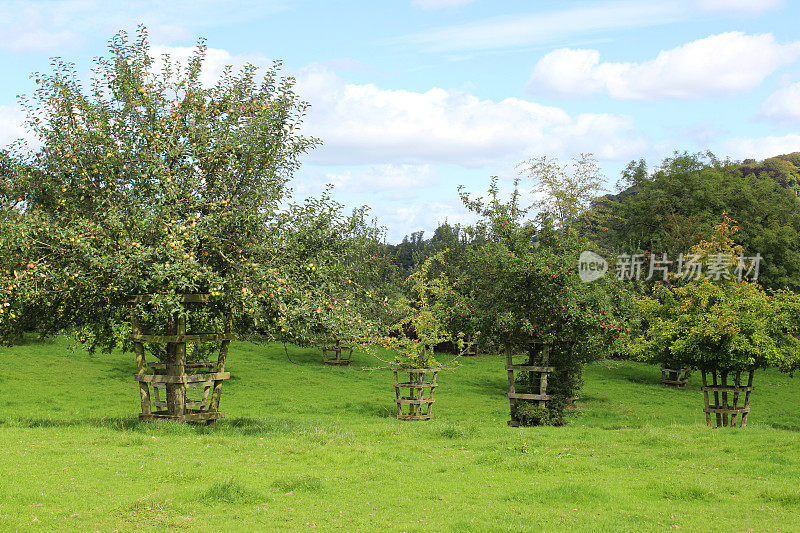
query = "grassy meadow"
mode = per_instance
[{"x": 307, "y": 446}]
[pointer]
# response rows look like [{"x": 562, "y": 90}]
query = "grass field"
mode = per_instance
[{"x": 307, "y": 446}]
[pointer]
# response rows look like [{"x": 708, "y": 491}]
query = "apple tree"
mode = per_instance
[{"x": 150, "y": 181}]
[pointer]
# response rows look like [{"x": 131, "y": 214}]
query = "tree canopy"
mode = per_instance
[
  {"x": 670, "y": 210},
  {"x": 149, "y": 182},
  {"x": 720, "y": 325}
]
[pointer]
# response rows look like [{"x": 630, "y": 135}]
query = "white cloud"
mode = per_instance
[
  {"x": 383, "y": 178},
  {"x": 526, "y": 29},
  {"x": 363, "y": 124},
  {"x": 723, "y": 64},
  {"x": 783, "y": 105},
  {"x": 421, "y": 216},
  {"x": 741, "y": 6},
  {"x": 12, "y": 125},
  {"x": 437, "y": 4},
  {"x": 761, "y": 148},
  {"x": 215, "y": 61},
  {"x": 51, "y": 25}
]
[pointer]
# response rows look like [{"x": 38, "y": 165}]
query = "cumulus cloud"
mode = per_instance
[
  {"x": 406, "y": 218},
  {"x": 763, "y": 147},
  {"x": 783, "y": 105},
  {"x": 379, "y": 178},
  {"x": 363, "y": 124},
  {"x": 724, "y": 64},
  {"x": 215, "y": 62},
  {"x": 12, "y": 125},
  {"x": 437, "y": 4}
]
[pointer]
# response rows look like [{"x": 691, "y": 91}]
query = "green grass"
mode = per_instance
[{"x": 306, "y": 445}]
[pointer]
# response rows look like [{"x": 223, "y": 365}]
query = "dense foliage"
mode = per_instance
[
  {"x": 531, "y": 295},
  {"x": 423, "y": 319},
  {"x": 150, "y": 182},
  {"x": 670, "y": 210},
  {"x": 720, "y": 325}
]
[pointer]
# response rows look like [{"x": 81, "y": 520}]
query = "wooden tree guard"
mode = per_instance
[
  {"x": 421, "y": 386},
  {"x": 177, "y": 375},
  {"x": 537, "y": 374},
  {"x": 470, "y": 348},
  {"x": 724, "y": 410},
  {"x": 336, "y": 348},
  {"x": 674, "y": 377}
]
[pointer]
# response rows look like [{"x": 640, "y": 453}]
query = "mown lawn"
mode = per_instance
[{"x": 307, "y": 446}]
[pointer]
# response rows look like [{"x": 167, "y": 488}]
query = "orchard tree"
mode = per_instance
[
  {"x": 530, "y": 296},
  {"x": 566, "y": 192},
  {"x": 336, "y": 293},
  {"x": 423, "y": 319},
  {"x": 149, "y": 182},
  {"x": 720, "y": 325},
  {"x": 723, "y": 327}
]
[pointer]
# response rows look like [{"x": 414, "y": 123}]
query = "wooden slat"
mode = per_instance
[
  {"x": 416, "y": 385},
  {"x": 397, "y": 396},
  {"x": 141, "y": 365},
  {"x": 528, "y": 368},
  {"x": 716, "y": 398},
  {"x": 723, "y": 410},
  {"x": 216, "y": 395},
  {"x": 511, "y": 384},
  {"x": 747, "y": 397},
  {"x": 724, "y": 376},
  {"x": 193, "y": 378},
  {"x": 543, "y": 376},
  {"x": 728, "y": 388},
  {"x": 414, "y": 401},
  {"x": 190, "y": 385},
  {"x": 200, "y": 337},
  {"x": 705, "y": 399},
  {"x": 415, "y": 417},
  {"x": 189, "y": 366},
  {"x": 524, "y": 396},
  {"x": 737, "y": 382}
]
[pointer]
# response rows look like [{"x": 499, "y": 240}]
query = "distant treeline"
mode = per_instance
[{"x": 668, "y": 209}]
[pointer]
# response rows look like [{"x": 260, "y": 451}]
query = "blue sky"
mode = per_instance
[{"x": 413, "y": 97}]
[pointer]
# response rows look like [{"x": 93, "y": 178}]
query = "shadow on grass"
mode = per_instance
[
  {"x": 592, "y": 400},
  {"x": 783, "y": 426},
  {"x": 640, "y": 374},
  {"x": 488, "y": 386},
  {"x": 121, "y": 371},
  {"x": 298, "y": 356},
  {"x": 33, "y": 339},
  {"x": 370, "y": 409},
  {"x": 233, "y": 426}
]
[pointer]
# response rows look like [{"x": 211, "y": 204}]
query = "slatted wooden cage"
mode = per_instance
[
  {"x": 417, "y": 404},
  {"x": 177, "y": 375},
  {"x": 537, "y": 370},
  {"x": 336, "y": 352},
  {"x": 726, "y": 397},
  {"x": 674, "y": 376}
]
